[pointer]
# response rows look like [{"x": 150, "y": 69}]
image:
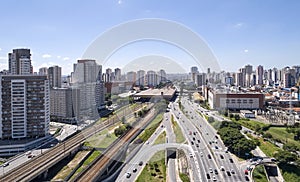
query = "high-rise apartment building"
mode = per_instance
[
  {"x": 43, "y": 71},
  {"x": 248, "y": 72},
  {"x": 151, "y": 78},
  {"x": 64, "y": 104},
  {"x": 194, "y": 72},
  {"x": 54, "y": 76},
  {"x": 19, "y": 62},
  {"x": 131, "y": 76},
  {"x": 118, "y": 74},
  {"x": 140, "y": 78},
  {"x": 25, "y": 109},
  {"x": 239, "y": 79},
  {"x": 161, "y": 76},
  {"x": 200, "y": 79},
  {"x": 260, "y": 75}
]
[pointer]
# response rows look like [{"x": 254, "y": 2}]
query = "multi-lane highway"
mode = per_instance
[
  {"x": 135, "y": 165},
  {"x": 211, "y": 144},
  {"x": 208, "y": 157}
]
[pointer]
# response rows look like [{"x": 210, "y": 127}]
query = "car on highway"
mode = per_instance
[
  {"x": 231, "y": 160},
  {"x": 232, "y": 171},
  {"x": 201, "y": 154},
  {"x": 247, "y": 178},
  {"x": 246, "y": 172},
  {"x": 192, "y": 142},
  {"x": 209, "y": 157},
  {"x": 198, "y": 141},
  {"x": 221, "y": 156},
  {"x": 5, "y": 164},
  {"x": 216, "y": 147},
  {"x": 210, "y": 170},
  {"x": 128, "y": 174},
  {"x": 134, "y": 170},
  {"x": 216, "y": 171},
  {"x": 216, "y": 137},
  {"x": 194, "y": 138},
  {"x": 228, "y": 173},
  {"x": 207, "y": 176},
  {"x": 191, "y": 155},
  {"x": 222, "y": 168},
  {"x": 197, "y": 145},
  {"x": 214, "y": 178},
  {"x": 140, "y": 163}
]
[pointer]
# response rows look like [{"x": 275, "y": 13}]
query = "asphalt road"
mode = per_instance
[
  {"x": 148, "y": 150},
  {"x": 217, "y": 148}
]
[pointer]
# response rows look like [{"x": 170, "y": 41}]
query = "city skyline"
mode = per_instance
[{"x": 238, "y": 33}]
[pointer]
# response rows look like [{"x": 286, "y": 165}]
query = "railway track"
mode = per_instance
[
  {"x": 36, "y": 166},
  {"x": 91, "y": 174}
]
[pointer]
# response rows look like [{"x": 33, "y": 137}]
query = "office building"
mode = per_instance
[
  {"x": 87, "y": 78},
  {"x": 225, "y": 99}
]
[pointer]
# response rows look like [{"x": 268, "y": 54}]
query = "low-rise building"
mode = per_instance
[{"x": 221, "y": 99}]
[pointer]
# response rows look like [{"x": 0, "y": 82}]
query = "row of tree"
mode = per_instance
[{"x": 236, "y": 142}]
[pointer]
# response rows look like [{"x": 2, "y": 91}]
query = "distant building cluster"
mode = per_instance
[
  {"x": 247, "y": 76},
  {"x": 116, "y": 83}
]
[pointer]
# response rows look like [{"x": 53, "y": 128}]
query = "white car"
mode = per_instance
[{"x": 5, "y": 164}]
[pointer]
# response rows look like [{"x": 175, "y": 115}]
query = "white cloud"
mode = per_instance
[
  {"x": 3, "y": 58},
  {"x": 120, "y": 2},
  {"x": 66, "y": 58},
  {"x": 0, "y": 49},
  {"x": 239, "y": 25},
  {"x": 246, "y": 51},
  {"x": 58, "y": 57},
  {"x": 46, "y": 56},
  {"x": 48, "y": 64}
]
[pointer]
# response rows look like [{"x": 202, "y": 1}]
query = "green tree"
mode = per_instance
[
  {"x": 210, "y": 119},
  {"x": 267, "y": 135},
  {"x": 290, "y": 147},
  {"x": 285, "y": 157},
  {"x": 243, "y": 146},
  {"x": 237, "y": 117}
]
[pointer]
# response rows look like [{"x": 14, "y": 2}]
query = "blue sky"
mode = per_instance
[{"x": 239, "y": 32}]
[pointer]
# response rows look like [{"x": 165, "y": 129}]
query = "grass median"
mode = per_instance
[
  {"x": 259, "y": 174},
  {"x": 150, "y": 129},
  {"x": 177, "y": 131},
  {"x": 155, "y": 170},
  {"x": 161, "y": 138}
]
